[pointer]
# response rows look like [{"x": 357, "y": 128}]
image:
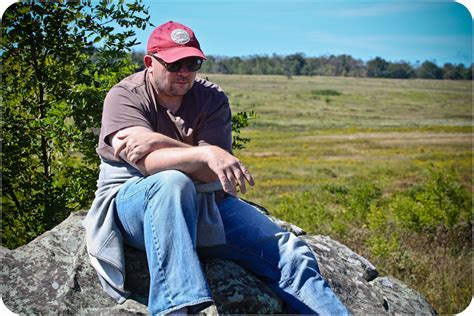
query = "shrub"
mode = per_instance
[
  {"x": 239, "y": 121},
  {"x": 441, "y": 201},
  {"x": 325, "y": 92},
  {"x": 360, "y": 199}
]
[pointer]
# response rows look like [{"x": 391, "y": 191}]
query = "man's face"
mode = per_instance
[{"x": 172, "y": 84}]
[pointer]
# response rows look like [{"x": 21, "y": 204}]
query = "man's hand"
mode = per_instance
[
  {"x": 135, "y": 144},
  {"x": 230, "y": 171}
]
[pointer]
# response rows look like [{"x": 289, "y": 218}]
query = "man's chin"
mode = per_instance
[{"x": 180, "y": 89}]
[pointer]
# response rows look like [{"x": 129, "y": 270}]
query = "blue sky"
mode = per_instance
[
  {"x": 409, "y": 30},
  {"x": 440, "y": 31}
]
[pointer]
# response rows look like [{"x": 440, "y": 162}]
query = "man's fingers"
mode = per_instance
[
  {"x": 227, "y": 185},
  {"x": 135, "y": 155},
  {"x": 122, "y": 134},
  {"x": 240, "y": 179},
  {"x": 230, "y": 170},
  {"x": 127, "y": 151},
  {"x": 247, "y": 174},
  {"x": 119, "y": 149},
  {"x": 232, "y": 180}
]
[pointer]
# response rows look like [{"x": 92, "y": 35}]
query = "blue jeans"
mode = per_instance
[{"x": 159, "y": 215}]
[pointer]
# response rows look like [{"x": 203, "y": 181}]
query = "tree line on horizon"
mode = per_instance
[{"x": 341, "y": 66}]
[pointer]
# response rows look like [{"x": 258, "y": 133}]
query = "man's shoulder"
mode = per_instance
[
  {"x": 206, "y": 87},
  {"x": 133, "y": 82}
]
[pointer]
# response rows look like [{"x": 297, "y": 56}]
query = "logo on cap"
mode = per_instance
[{"x": 180, "y": 36}]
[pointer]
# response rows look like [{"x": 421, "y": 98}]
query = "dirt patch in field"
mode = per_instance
[
  {"x": 429, "y": 139},
  {"x": 397, "y": 138},
  {"x": 264, "y": 154},
  {"x": 365, "y": 146}
]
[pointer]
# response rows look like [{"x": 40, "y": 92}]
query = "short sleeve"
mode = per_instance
[
  {"x": 217, "y": 127},
  {"x": 122, "y": 109}
]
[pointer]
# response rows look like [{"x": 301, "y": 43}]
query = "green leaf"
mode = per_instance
[{"x": 53, "y": 88}]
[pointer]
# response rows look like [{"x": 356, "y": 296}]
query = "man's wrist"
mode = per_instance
[
  {"x": 203, "y": 154},
  {"x": 157, "y": 141}
]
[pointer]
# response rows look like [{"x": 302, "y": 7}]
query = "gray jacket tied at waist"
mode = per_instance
[{"x": 104, "y": 239}]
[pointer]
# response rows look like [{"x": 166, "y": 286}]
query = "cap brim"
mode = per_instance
[{"x": 173, "y": 54}]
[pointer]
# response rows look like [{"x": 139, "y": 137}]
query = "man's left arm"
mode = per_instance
[{"x": 217, "y": 128}]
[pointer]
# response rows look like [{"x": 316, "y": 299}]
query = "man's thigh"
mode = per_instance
[
  {"x": 244, "y": 224},
  {"x": 141, "y": 195},
  {"x": 253, "y": 240}
]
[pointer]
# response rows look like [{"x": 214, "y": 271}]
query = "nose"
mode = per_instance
[{"x": 183, "y": 68}]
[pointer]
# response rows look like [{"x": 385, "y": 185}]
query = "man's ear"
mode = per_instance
[{"x": 148, "y": 61}]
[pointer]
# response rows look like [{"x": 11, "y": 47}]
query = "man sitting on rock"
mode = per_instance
[{"x": 168, "y": 185}]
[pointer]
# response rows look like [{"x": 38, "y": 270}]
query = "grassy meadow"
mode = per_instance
[{"x": 381, "y": 165}]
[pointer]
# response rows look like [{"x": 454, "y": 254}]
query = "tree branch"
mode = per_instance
[{"x": 11, "y": 193}]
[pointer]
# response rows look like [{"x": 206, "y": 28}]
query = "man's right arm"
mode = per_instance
[{"x": 152, "y": 152}]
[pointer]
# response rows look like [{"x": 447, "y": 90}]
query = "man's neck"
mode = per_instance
[{"x": 171, "y": 103}]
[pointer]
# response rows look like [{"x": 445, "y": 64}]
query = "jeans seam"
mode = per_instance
[
  {"x": 125, "y": 225},
  {"x": 128, "y": 184},
  {"x": 255, "y": 255},
  {"x": 122, "y": 198},
  {"x": 286, "y": 283},
  {"x": 195, "y": 302},
  {"x": 158, "y": 253}
]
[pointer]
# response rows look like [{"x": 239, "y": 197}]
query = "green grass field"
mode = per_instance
[{"x": 381, "y": 165}]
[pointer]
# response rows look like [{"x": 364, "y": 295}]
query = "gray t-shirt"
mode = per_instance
[{"x": 204, "y": 117}]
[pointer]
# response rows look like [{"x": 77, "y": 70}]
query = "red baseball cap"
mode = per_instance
[{"x": 173, "y": 41}]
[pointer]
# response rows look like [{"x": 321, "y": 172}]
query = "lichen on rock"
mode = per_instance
[{"x": 52, "y": 275}]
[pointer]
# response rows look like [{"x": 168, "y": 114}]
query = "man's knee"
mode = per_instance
[
  {"x": 172, "y": 183},
  {"x": 295, "y": 251}
]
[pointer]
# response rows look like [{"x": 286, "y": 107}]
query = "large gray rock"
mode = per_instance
[{"x": 52, "y": 275}]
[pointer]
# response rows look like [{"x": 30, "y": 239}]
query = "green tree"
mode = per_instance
[
  {"x": 311, "y": 66},
  {"x": 468, "y": 72},
  {"x": 293, "y": 64},
  {"x": 401, "y": 70},
  {"x": 377, "y": 68},
  {"x": 59, "y": 60},
  {"x": 429, "y": 70},
  {"x": 453, "y": 72},
  {"x": 137, "y": 58}
]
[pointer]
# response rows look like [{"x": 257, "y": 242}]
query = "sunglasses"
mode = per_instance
[{"x": 191, "y": 64}]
